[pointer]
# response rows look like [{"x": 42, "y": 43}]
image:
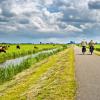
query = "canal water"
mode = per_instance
[{"x": 19, "y": 60}]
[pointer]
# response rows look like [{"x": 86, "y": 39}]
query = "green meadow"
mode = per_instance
[
  {"x": 25, "y": 49},
  {"x": 97, "y": 47}
]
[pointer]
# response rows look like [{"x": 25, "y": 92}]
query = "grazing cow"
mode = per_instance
[
  {"x": 35, "y": 47},
  {"x": 18, "y": 47},
  {"x": 2, "y": 49}
]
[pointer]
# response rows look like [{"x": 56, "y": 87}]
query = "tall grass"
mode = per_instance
[{"x": 7, "y": 73}]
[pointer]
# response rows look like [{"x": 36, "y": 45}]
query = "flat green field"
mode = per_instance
[
  {"x": 25, "y": 49},
  {"x": 97, "y": 46},
  {"x": 97, "y": 49}
]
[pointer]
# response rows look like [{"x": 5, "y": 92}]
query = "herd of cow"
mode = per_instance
[{"x": 4, "y": 48}]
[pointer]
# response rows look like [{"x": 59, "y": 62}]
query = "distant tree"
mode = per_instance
[{"x": 40, "y": 42}]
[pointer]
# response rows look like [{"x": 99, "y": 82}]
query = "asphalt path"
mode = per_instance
[{"x": 87, "y": 75}]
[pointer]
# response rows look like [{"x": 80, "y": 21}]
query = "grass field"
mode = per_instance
[
  {"x": 7, "y": 73},
  {"x": 51, "y": 79},
  {"x": 25, "y": 49},
  {"x": 97, "y": 47}
]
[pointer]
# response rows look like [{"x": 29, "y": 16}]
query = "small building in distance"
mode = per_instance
[{"x": 71, "y": 42}]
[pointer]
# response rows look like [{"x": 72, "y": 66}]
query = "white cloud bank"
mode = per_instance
[{"x": 50, "y": 16}]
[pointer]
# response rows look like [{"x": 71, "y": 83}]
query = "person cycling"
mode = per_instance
[
  {"x": 83, "y": 44},
  {"x": 91, "y": 46}
]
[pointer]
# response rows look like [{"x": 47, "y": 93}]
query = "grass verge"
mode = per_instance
[
  {"x": 51, "y": 79},
  {"x": 7, "y": 73},
  {"x": 97, "y": 53}
]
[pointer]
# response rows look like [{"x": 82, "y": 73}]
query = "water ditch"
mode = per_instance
[{"x": 19, "y": 60}]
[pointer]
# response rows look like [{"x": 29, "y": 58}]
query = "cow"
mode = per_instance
[
  {"x": 18, "y": 47},
  {"x": 35, "y": 47},
  {"x": 2, "y": 49}
]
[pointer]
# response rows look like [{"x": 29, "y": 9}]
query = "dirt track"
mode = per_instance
[{"x": 88, "y": 75}]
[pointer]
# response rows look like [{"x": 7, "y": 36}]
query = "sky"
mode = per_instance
[{"x": 58, "y": 21}]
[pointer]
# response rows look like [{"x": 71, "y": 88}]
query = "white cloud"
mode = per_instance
[
  {"x": 25, "y": 7},
  {"x": 8, "y": 28},
  {"x": 0, "y": 11},
  {"x": 47, "y": 2},
  {"x": 38, "y": 22},
  {"x": 48, "y": 15},
  {"x": 87, "y": 26},
  {"x": 71, "y": 28}
]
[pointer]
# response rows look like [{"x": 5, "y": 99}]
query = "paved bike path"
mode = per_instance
[{"x": 87, "y": 75}]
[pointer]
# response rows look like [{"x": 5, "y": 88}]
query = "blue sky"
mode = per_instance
[{"x": 49, "y": 20}]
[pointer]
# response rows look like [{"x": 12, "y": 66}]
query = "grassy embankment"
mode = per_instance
[
  {"x": 7, "y": 73},
  {"x": 50, "y": 79},
  {"x": 25, "y": 49}
]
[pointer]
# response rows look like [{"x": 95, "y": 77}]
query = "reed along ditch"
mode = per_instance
[{"x": 10, "y": 68}]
